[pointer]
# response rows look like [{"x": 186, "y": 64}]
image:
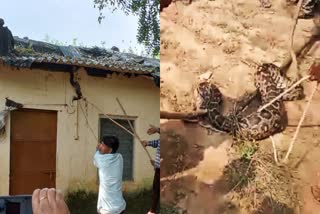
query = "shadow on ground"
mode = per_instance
[{"x": 198, "y": 176}]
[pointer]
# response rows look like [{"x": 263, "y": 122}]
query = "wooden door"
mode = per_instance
[{"x": 32, "y": 150}]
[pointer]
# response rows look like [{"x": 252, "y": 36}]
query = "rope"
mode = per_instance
[{"x": 85, "y": 116}]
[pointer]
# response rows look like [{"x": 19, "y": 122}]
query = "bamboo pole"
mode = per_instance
[
  {"x": 112, "y": 120},
  {"x": 133, "y": 130}
]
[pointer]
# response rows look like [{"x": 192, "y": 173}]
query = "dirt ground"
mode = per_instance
[{"x": 218, "y": 40}]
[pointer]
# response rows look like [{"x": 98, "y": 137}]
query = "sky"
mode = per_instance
[{"x": 65, "y": 20}]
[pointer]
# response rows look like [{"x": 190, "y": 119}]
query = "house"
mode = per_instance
[{"x": 68, "y": 95}]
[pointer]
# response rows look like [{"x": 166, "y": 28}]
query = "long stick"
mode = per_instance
[
  {"x": 297, "y": 50},
  {"x": 283, "y": 93},
  {"x": 180, "y": 115},
  {"x": 295, "y": 21},
  {"x": 179, "y": 175},
  {"x": 300, "y": 123},
  {"x": 107, "y": 116},
  {"x": 274, "y": 150},
  {"x": 131, "y": 126}
]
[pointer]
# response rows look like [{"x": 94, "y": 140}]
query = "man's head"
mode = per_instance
[
  {"x": 1, "y": 22},
  {"x": 109, "y": 144}
]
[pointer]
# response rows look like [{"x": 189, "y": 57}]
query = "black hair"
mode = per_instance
[{"x": 112, "y": 142}]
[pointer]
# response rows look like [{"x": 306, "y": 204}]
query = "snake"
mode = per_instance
[{"x": 257, "y": 125}]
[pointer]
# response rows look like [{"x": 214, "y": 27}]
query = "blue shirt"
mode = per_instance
[{"x": 156, "y": 144}]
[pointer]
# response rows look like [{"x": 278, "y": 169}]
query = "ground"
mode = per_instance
[{"x": 204, "y": 174}]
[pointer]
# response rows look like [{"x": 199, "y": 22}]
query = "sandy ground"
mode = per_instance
[{"x": 216, "y": 40}]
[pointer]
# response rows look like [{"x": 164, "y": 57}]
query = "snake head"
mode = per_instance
[
  {"x": 207, "y": 95},
  {"x": 202, "y": 95}
]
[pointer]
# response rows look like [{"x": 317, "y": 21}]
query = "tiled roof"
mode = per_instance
[
  {"x": 30, "y": 52},
  {"x": 100, "y": 63}
]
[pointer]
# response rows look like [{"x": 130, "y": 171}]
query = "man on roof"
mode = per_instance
[{"x": 6, "y": 40}]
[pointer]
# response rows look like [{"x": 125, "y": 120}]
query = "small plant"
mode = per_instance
[
  {"x": 25, "y": 51},
  {"x": 247, "y": 151}
]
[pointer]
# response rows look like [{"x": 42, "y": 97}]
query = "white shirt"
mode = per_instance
[{"x": 110, "y": 199}]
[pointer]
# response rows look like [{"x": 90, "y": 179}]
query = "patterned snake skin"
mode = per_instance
[{"x": 256, "y": 125}]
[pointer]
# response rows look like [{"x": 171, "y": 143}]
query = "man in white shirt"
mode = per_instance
[{"x": 110, "y": 166}]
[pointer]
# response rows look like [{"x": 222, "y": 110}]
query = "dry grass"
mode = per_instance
[{"x": 257, "y": 183}]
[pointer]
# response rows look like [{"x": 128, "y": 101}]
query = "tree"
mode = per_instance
[{"x": 149, "y": 22}]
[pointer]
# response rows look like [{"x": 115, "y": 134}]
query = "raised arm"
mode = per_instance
[{"x": 153, "y": 130}]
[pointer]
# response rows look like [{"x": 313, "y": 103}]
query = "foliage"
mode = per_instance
[
  {"x": 149, "y": 22},
  {"x": 25, "y": 51}
]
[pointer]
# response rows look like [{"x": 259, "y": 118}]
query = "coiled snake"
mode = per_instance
[{"x": 256, "y": 125}]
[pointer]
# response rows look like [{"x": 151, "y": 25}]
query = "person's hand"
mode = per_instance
[
  {"x": 98, "y": 147},
  {"x": 152, "y": 130},
  {"x": 145, "y": 143},
  {"x": 48, "y": 201}
]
